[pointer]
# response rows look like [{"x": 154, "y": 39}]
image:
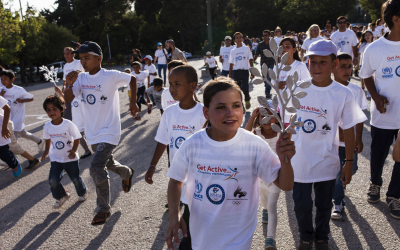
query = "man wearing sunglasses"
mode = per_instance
[
  {"x": 345, "y": 40},
  {"x": 268, "y": 61}
]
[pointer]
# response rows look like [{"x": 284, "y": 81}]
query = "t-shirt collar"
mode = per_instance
[{"x": 221, "y": 143}]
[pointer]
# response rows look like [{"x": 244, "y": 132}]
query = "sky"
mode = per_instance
[{"x": 38, "y": 4}]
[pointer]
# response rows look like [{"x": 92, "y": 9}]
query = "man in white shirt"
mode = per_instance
[
  {"x": 345, "y": 40},
  {"x": 224, "y": 56},
  {"x": 381, "y": 74}
]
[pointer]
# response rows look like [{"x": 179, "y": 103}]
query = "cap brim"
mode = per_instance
[
  {"x": 318, "y": 53},
  {"x": 80, "y": 50}
]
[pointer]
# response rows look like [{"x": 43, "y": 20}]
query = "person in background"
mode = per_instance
[
  {"x": 161, "y": 55},
  {"x": 224, "y": 56},
  {"x": 267, "y": 61},
  {"x": 278, "y": 32}
]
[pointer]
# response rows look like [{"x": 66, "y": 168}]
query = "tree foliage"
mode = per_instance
[
  {"x": 373, "y": 6},
  {"x": 11, "y": 41}
]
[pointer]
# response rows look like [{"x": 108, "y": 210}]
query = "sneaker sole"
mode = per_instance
[
  {"x": 32, "y": 168},
  {"x": 336, "y": 218},
  {"x": 394, "y": 216},
  {"x": 265, "y": 222},
  {"x": 373, "y": 201},
  {"x": 270, "y": 248}
]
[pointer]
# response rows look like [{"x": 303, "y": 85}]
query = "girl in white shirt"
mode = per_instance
[
  {"x": 269, "y": 192},
  {"x": 366, "y": 39},
  {"x": 278, "y": 32},
  {"x": 221, "y": 165}
]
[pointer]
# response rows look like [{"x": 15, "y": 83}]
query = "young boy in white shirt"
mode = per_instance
[
  {"x": 178, "y": 123},
  {"x": 224, "y": 54},
  {"x": 155, "y": 92},
  {"x": 99, "y": 88},
  {"x": 17, "y": 97},
  {"x": 141, "y": 77},
  {"x": 342, "y": 73},
  {"x": 241, "y": 59},
  {"x": 211, "y": 64},
  {"x": 151, "y": 69},
  {"x": 316, "y": 162},
  {"x": 381, "y": 74}
]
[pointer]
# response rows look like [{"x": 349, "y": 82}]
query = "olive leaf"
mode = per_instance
[
  {"x": 291, "y": 109},
  {"x": 263, "y": 111},
  {"x": 266, "y": 119},
  {"x": 287, "y": 68},
  {"x": 295, "y": 77},
  {"x": 291, "y": 130},
  {"x": 299, "y": 124},
  {"x": 275, "y": 102},
  {"x": 272, "y": 44},
  {"x": 300, "y": 94},
  {"x": 285, "y": 95},
  {"x": 271, "y": 74},
  {"x": 305, "y": 85},
  {"x": 289, "y": 82},
  {"x": 263, "y": 101},
  {"x": 255, "y": 72},
  {"x": 284, "y": 58},
  {"x": 257, "y": 81},
  {"x": 276, "y": 128},
  {"x": 265, "y": 69},
  {"x": 296, "y": 103},
  {"x": 268, "y": 53}
]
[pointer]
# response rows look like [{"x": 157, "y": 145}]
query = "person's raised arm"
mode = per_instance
[
  {"x": 380, "y": 100},
  {"x": 254, "y": 114},
  {"x": 132, "y": 104},
  {"x": 70, "y": 79},
  {"x": 349, "y": 143}
]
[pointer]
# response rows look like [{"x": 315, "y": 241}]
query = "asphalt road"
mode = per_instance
[{"x": 139, "y": 219}]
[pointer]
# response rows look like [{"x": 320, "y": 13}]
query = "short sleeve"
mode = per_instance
[
  {"x": 76, "y": 88},
  {"x": 366, "y": 70},
  {"x": 355, "y": 40},
  {"x": 25, "y": 95},
  {"x": 74, "y": 131},
  {"x": 3, "y": 102},
  {"x": 150, "y": 90},
  {"x": 250, "y": 55},
  {"x": 164, "y": 100},
  {"x": 304, "y": 45},
  {"x": 231, "y": 60},
  {"x": 121, "y": 79},
  {"x": 162, "y": 131},
  {"x": 352, "y": 113},
  {"x": 267, "y": 165},
  {"x": 362, "y": 99},
  {"x": 46, "y": 135},
  {"x": 304, "y": 73},
  {"x": 179, "y": 166}
]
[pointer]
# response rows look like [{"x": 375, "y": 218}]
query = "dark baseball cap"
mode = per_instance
[{"x": 89, "y": 47}]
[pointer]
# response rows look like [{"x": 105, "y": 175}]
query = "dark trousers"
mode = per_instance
[
  {"x": 68, "y": 111},
  {"x": 267, "y": 87},
  {"x": 303, "y": 206},
  {"x": 8, "y": 157},
  {"x": 56, "y": 174},
  {"x": 382, "y": 139},
  {"x": 242, "y": 79},
  {"x": 212, "y": 72},
  {"x": 186, "y": 243},
  {"x": 140, "y": 96}
]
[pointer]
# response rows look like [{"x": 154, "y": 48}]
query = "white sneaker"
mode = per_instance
[
  {"x": 83, "y": 197},
  {"x": 337, "y": 213},
  {"x": 61, "y": 201},
  {"x": 41, "y": 145}
]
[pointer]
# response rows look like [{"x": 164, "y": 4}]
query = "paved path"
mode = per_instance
[{"x": 139, "y": 219}]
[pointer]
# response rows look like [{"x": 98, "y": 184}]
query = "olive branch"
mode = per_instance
[{"x": 50, "y": 74}]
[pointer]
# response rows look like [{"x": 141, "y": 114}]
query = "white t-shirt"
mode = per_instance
[
  {"x": 377, "y": 34},
  {"x": 212, "y": 63},
  {"x": 101, "y": 106},
  {"x": 361, "y": 50},
  {"x": 382, "y": 59},
  {"x": 361, "y": 100},
  {"x": 77, "y": 113},
  {"x": 240, "y": 57},
  {"x": 151, "y": 69},
  {"x": 62, "y": 140},
  {"x": 3, "y": 102},
  {"x": 156, "y": 95},
  {"x": 161, "y": 56},
  {"x": 141, "y": 78},
  {"x": 380, "y": 28},
  {"x": 308, "y": 42},
  {"x": 176, "y": 126},
  {"x": 303, "y": 74},
  {"x": 167, "y": 99},
  {"x": 223, "y": 187},
  {"x": 74, "y": 65},
  {"x": 278, "y": 40},
  {"x": 225, "y": 52},
  {"x": 17, "y": 115},
  {"x": 254, "y": 45},
  {"x": 317, "y": 142},
  {"x": 345, "y": 41}
]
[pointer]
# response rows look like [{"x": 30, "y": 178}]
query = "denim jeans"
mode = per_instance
[
  {"x": 8, "y": 157},
  {"x": 382, "y": 139},
  {"x": 267, "y": 87},
  {"x": 102, "y": 161},
  {"x": 57, "y": 170},
  {"x": 162, "y": 67},
  {"x": 242, "y": 79},
  {"x": 338, "y": 195},
  {"x": 303, "y": 207},
  {"x": 224, "y": 72}
]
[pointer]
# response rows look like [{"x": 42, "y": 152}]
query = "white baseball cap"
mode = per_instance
[
  {"x": 228, "y": 38},
  {"x": 322, "y": 48},
  {"x": 149, "y": 57},
  {"x": 208, "y": 53}
]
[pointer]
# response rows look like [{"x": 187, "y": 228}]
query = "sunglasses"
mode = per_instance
[
  {"x": 266, "y": 35},
  {"x": 342, "y": 22}
]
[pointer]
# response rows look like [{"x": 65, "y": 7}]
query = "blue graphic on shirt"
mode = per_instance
[
  {"x": 179, "y": 141},
  {"x": 59, "y": 145},
  {"x": 197, "y": 192},
  {"x": 309, "y": 126},
  {"x": 91, "y": 99},
  {"x": 215, "y": 194}
]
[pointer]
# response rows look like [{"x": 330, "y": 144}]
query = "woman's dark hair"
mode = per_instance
[
  {"x": 213, "y": 87},
  {"x": 363, "y": 40},
  {"x": 7, "y": 73},
  {"x": 57, "y": 101},
  {"x": 389, "y": 9},
  {"x": 293, "y": 43}
]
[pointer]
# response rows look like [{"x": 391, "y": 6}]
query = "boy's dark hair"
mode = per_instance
[
  {"x": 340, "y": 18},
  {"x": 7, "y": 73},
  {"x": 56, "y": 101},
  {"x": 359, "y": 34},
  {"x": 378, "y": 21},
  {"x": 344, "y": 56},
  {"x": 135, "y": 63},
  {"x": 236, "y": 33},
  {"x": 348, "y": 23},
  {"x": 389, "y": 9},
  {"x": 189, "y": 72},
  {"x": 158, "y": 81},
  {"x": 267, "y": 31},
  {"x": 175, "y": 63}
]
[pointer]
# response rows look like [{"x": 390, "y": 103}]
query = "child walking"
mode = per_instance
[
  {"x": 316, "y": 162},
  {"x": 269, "y": 192},
  {"x": 222, "y": 165},
  {"x": 141, "y": 77},
  {"x": 155, "y": 92},
  {"x": 211, "y": 64},
  {"x": 6, "y": 154},
  {"x": 62, "y": 141},
  {"x": 151, "y": 69}
]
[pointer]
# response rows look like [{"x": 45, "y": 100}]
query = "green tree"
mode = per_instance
[
  {"x": 373, "y": 7},
  {"x": 11, "y": 41},
  {"x": 63, "y": 15}
]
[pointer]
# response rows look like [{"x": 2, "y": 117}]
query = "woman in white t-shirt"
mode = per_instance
[
  {"x": 222, "y": 165},
  {"x": 366, "y": 39},
  {"x": 278, "y": 35},
  {"x": 254, "y": 45},
  {"x": 312, "y": 36},
  {"x": 162, "y": 56}
]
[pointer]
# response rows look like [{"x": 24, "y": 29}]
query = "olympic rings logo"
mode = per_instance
[{"x": 236, "y": 203}]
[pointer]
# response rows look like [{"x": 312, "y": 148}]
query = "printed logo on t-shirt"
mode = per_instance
[
  {"x": 189, "y": 129},
  {"x": 76, "y": 104},
  {"x": 239, "y": 196},
  {"x": 92, "y": 87},
  {"x": 319, "y": 112},
  {"x": 233, "y": 175},
  {"x": 62, "y": 136},
  {"x": 179, "y": 141},
  {"x": 325, "y": 129},
  {"x": 83, "y": 99},
  {"x": 298, "y": 128},
  {"x": 309, "y": 126},
  {"x": 171, "y": 144},
  {"x": 214, "y": 171},
  {"x": 91, "y": 99},
  {"x": 59, "y": 145},
  {"x": 397, "y": 71},
  {"x": 197, "y": 192},
  {"x": 9, "y": 102},
  {"x": 215, "y": 194},
  {"x": 103, "y": 99},
  {"x": 393, "y": 58},
  {"x": 387, "y": 72}
]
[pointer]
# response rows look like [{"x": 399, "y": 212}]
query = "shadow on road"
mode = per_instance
[{"x": 161, "y": 235}]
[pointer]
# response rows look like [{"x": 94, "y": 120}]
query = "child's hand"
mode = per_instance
[
  {"x": 5, "y": 133},
  {"x": 58, "y": 91},
  {"x": 72, "y": 154},
  {"x": 19, "y": 100},
  {"x": 359, "y": 146},
  {"x": 173, "y": 231},
  {"x": 251, "y": 76},
  {"x": 71, "y": 77},
  {"x": 2, "y": 92},
  {"x": 123, "y": 89},
  {"x": 347, "y": 172},
  {"x": 45, "y": 154},
  {"x": 282, "y": 85},
  {"x": 149, "y": 174},
  {"x": 255, "y": 112},
  {"x": 285, "y": 146}
]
